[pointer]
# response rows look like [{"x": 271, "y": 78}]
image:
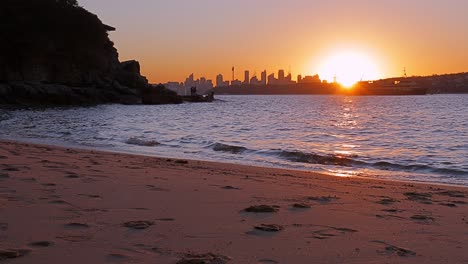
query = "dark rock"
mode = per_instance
[
  {"x": 57, "y": 53},
  {"x": 158, "y": 94}
]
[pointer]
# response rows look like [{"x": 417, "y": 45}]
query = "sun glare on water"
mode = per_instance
[{"x": 348, "y": 68}]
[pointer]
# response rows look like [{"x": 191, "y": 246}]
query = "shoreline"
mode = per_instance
[
  {"x": 66, "y": 204},
  {"x": 238, "y": 163},
  {"x": 135, "y": 153}
]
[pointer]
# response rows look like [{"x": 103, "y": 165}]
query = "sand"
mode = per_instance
[{"x": 62, "y": 205}]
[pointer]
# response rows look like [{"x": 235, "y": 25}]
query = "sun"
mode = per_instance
[{"x": 348, "y": 68}]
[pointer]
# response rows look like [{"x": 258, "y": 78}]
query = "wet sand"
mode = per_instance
[{"x": 80, "y": 206}]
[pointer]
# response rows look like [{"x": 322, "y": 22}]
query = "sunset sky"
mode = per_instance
[{"x": 174, "y": 38}]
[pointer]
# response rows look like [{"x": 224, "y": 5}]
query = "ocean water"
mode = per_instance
[{"x": 413, "y": 138}]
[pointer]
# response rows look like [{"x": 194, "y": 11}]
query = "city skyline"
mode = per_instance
[
  {"x": 204, "y": 85},
  {"x": 172, "y": 39}
]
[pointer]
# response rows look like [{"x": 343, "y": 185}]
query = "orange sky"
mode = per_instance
[{"x": 174, "y": 38}]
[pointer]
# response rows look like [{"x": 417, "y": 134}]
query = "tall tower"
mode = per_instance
[{"x": 233, "y": 73}]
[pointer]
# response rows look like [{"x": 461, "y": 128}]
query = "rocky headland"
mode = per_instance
[{"x": 54, "y": 52}]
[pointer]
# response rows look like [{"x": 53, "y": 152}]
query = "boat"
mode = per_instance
[
  {"x": 197, "y": 98},
  {"x": 387, "y": 87}
]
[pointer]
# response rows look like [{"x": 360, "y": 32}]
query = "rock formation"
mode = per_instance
[{"x": 56, "y": 52}]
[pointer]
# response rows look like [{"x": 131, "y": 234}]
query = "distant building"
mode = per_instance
[
  {"x": 236, "y": 83},
  {"x": 255, "y": 81},
  {"x": 310, "y": 79},
  {"x": 263, "y": 79},
  {"x": 280, "y": 75},
  {"x": 246, "y": 77},
  {"x": 220, "y": 81},
  {"x": 271, "y": 79},
  {"x": 299, "y": 78},
  {"x": 203, "y": 85}
]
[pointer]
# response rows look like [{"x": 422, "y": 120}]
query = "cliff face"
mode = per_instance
[{"x": 55, "y": 52}]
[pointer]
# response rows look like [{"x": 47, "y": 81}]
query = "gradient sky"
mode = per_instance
[{"x": 173, "y": 38}]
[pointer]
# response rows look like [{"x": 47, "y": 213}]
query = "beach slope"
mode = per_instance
[{"x": 81, "y": 206}]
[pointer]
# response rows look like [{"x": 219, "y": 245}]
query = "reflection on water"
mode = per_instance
[{"x": 422, "y": 138}]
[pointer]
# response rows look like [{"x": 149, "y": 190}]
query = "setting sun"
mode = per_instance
[{"x": 348, "y": 68}]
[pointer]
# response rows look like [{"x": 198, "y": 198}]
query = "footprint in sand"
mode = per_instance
[
  {"x": 323, "y": 199},
  {"x": 424, "y": 219},
  {"x": 393, "y": 210},
  {"x": 118, "y": 258},
  {"x": 156, "y": 189},
  {"x": 58, "y": 202},
  {"x": 392, "y": 250},
  {"x": 269, "y": 227},
  {"x": 229, "y": 187},
  {"x": 72, "y": 175},
  {"x": 92, "y": 196},
  {"x": 142, "y": 224},
  {"x": 330, "y": 231},
  {"x": 76, "y": 238},
  {"x": 9, "y": 168},
  {"x": 453, "y": 194},
  {"x": 10, "y": 253},
  {"x": 208, "y": 258},
  {"x": 387, "y": 201},
  {"x": 262, "y": 209},
  {"x": 424, "y": 198},
  {"x": 267, "y": 261},
  {"x": 76, "y": 226},
  {"x": 300, "y": 206},
  {"x": 41, "y": 244},
  {"x": 4, "y": 176}
]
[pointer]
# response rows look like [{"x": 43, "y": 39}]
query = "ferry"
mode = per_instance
[{"x": 397, "y": 87}]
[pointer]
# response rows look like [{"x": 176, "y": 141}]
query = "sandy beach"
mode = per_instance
[{"x": 62, "y": 205}]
